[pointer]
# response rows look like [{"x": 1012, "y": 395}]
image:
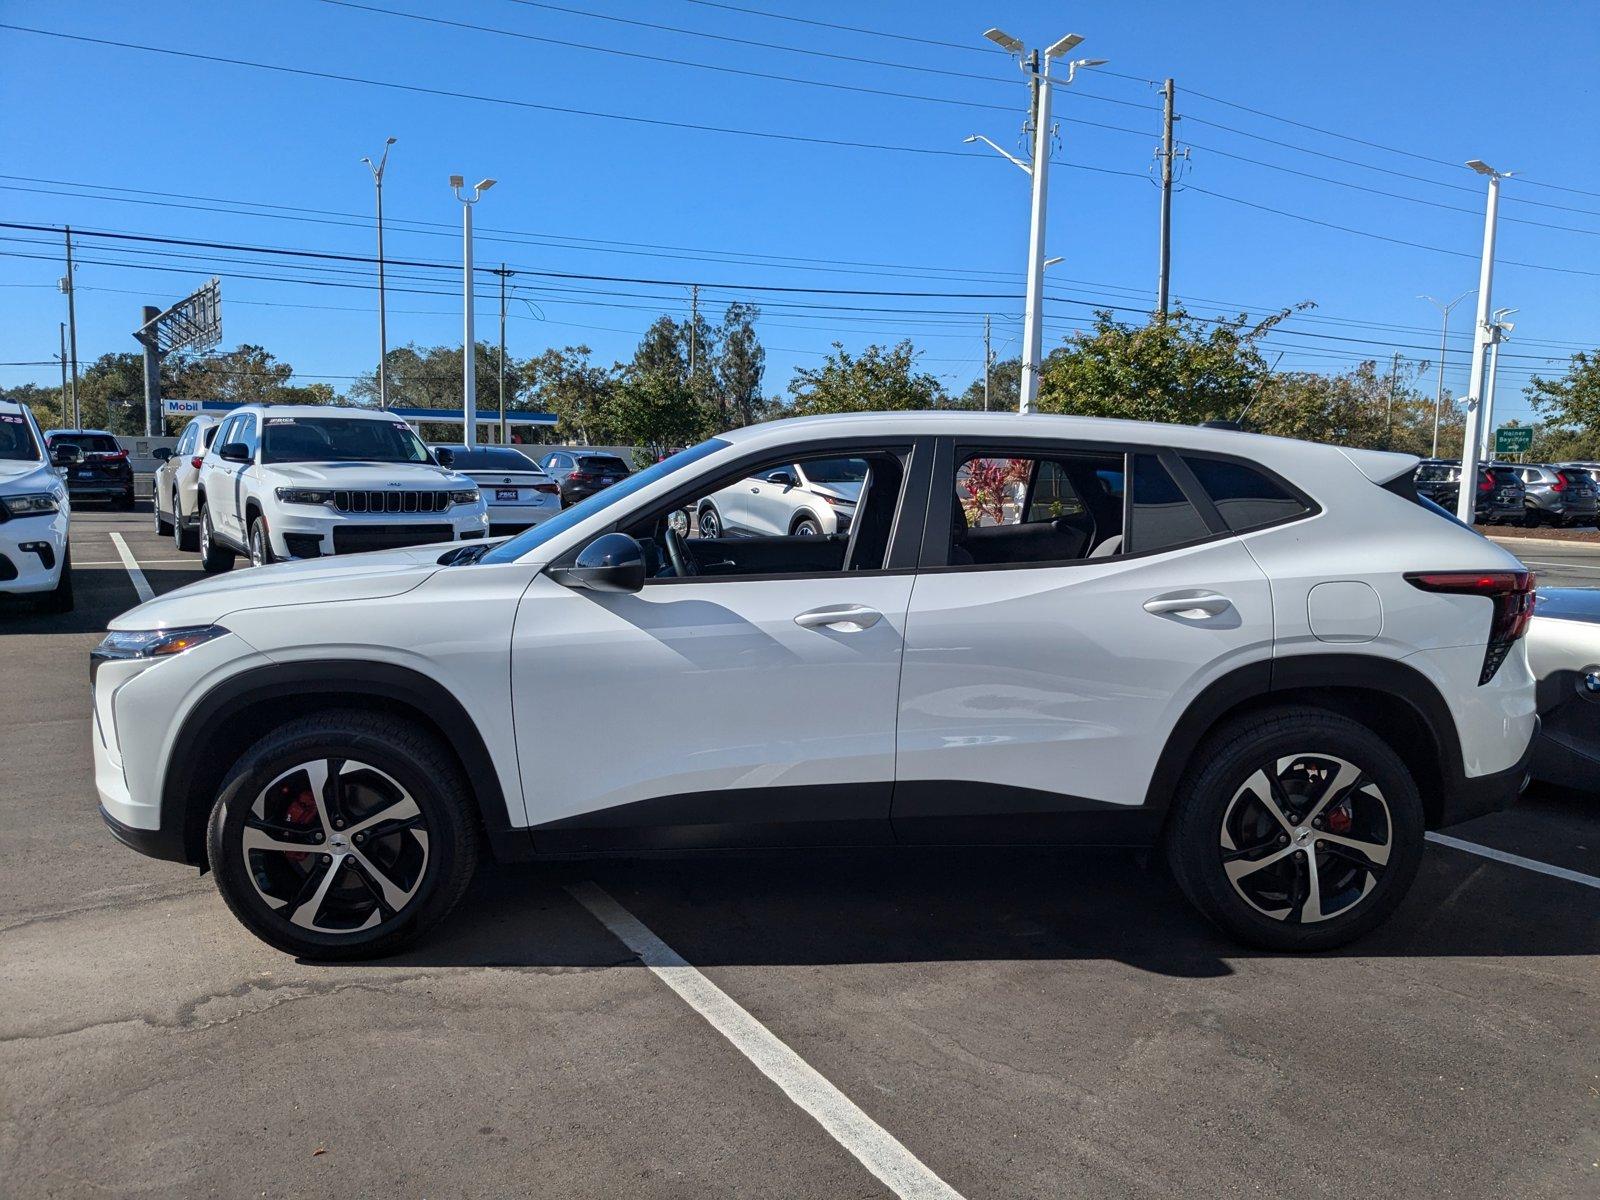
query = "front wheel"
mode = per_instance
[
  {"x": 185, "y": 539},
  {"x": 260, "y": 543},
  {"x": 709, "y": 522},
  {"x": 343, "y": 835},
  {"x": 163, "y": 526},
  {"x": 806, "y": 527},
  {"x": 1296, "y": 829},
  {"x": 214, "y": 557}
]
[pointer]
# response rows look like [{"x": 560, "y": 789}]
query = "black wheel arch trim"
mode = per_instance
[
  {"x": 183, "y": 836},
  {"x": 1461, "y": 797}
]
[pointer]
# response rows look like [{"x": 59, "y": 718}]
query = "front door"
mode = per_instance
[{"x": 751, "y": 706}]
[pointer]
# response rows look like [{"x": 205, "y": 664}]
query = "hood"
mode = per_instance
[
  {"x": 27, "y": 476},
  {"x": 317, "y": 580},
  {"x": 844, "y": 491},
  {"x": 367, "y": 476}
]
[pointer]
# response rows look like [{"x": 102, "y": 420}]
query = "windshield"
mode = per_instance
[
  {"x": 490, "y": 458},
  {"x": 836, "y": 470},
  {"x": 532, "y": 538},
  {"x": 340, "y": 439},
  {"x": 16, "y": 439}
]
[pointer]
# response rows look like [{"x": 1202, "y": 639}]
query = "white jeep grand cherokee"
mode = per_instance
[
  {"x": 1269, "y": 658},
  {"x": 35, "y": 514},
  {"x": 283, "y": 481}
]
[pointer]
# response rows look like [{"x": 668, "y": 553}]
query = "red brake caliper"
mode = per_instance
[
  {"x": 1339, "y": 818},
  {"x": 302, "y": 810}
]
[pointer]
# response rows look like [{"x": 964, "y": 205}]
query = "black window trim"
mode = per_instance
[
  {"x": 935, "y": 552},
  {"x": 905, "y": 533}
]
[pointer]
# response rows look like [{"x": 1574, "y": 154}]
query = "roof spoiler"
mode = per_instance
[{"x": 1380, "y": 466}]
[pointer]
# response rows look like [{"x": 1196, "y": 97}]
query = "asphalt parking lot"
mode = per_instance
[{"x": 976, "y": 1024}]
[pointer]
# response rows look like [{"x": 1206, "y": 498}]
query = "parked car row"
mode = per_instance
[{"x": 1528, "y": 494}]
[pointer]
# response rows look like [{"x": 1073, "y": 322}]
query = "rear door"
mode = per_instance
[{"x": 1073, "y": 599}]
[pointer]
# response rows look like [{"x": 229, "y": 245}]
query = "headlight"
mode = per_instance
[
  {"x": 838, "y": 501},
  {"x": 466, "y": 496},
  {"x": 304, "y": 496},
  {"x": 29, "y": 505},
  {"x": 121, "y": 644}
]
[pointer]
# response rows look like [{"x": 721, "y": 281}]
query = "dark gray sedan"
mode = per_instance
[{"x": 1564, "y": 653}]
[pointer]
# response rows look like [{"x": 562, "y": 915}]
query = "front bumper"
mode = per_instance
[
  {"x": 32, "y": 552},
  {"x": 312, "y": 531}
]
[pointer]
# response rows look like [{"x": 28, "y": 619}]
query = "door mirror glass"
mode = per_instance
[
  {"x": 235, "y": 452},
  {"x": 65, "y": 454},
  {"x": 445, "y": 455},
  {"x": 161, "y": 454},
  {"x": 782, "y": 478},
  {"x": 611, "y": 563}
]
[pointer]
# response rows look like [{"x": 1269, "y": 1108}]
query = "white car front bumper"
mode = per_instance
[
  {"x": 313, "y": 531},
  {"x": 33, "y": 550}
]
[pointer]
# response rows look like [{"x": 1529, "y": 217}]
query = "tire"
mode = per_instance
[
  {"x": 380, "y": 757},
  {"x": 214, "y": 557},
  {"x": 260, "y": 543},
  {"x": 708, "y": 521},
  {"x": 1217, "y": 813},
  {"x": 125, "y": 502},
  {"x": 59, "y": 598},
  {"x": 163, "y": 526},
  {"x": 806, "y": 526},
  {"x": 185, "y": 539}
]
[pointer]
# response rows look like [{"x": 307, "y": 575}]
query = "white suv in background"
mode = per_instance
[
  {"x": 284, "y": 481},
  {"x": 35, "y": 514},
  {"x": 1268, "y": 658},
  {"x": 177, "y": 480},
  {"x": 814, "y": 499}
]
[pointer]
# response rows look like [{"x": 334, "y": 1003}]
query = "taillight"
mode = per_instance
[
  {"x": 108, "y": 455},
  {"x": 548, "y": 489},
  {"x": 196, "y": 461},
  {"x": 579, "y": 477},
  {"x": 1486, "y": 482},
  {"x": 1560, "y": 485},
  {"x": 1511, "y": 593}
]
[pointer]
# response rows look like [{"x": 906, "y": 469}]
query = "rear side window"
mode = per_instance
[
  {"x": 1161, "y": 516},
  {"x": 1245, "y": 497}
]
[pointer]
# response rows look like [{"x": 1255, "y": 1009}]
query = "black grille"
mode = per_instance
[
  {"x": 304, "y": 545},
  {"x": 352, "y": 539},
  {"x": 394, "y": 500}
]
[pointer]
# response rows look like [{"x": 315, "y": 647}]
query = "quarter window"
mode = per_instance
[{"x": 1245, "y": 497}]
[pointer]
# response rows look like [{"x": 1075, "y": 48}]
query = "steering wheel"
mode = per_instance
[{"x": 683, "y": 563}]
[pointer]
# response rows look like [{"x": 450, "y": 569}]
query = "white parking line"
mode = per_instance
[
  {"x": 140, "y": 583},
  {"x": 1560, "y": 566},
  {"x": 895, "y": 1167},
  {"x": 1516, "y": 860}
]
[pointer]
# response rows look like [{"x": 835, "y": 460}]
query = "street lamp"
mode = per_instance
[
  {"x": 1444, "y": 340},
  {"x": 383, "y": 330},
  {"x": 469, "y": 349},
  {"x": 1038, "y": 170},
  {"x": 1499, "y": 327},
  {"x": 1465, "y": 505}
]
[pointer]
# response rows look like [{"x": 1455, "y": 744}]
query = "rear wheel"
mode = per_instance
[
  {"x": 1296, "y": 829},
  {"x": 709, "y": 522},
  {"x": 343, "y": 835},
  {"x": 214, "y": 557},
  {"x": 124, "y": 502}
]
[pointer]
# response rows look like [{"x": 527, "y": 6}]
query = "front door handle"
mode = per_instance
[
  {"x": 844, "y": 618},
  {"x": 1194, "y": 606}
]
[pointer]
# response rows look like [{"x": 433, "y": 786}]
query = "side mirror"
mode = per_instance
[
  {"x": 783, "y": 479},
  {"x": 445, "y": 456},
  {"x": 161, "y": 454},
  {"x": 613, "y": 562},
  {"x": 235, "y": 452},
  {"x": 66, "y": 454}
]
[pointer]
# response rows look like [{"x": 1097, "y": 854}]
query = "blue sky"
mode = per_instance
[{"x": 588, "y": 195}]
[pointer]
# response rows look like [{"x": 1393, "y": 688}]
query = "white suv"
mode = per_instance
[
  {"x": 35, "y": 514},
  {"x": 1270, "y": 658},
  {"x": 173, "y": 494},
  {"x": 813, "y": 499},
  {"x": 284, "y": 482}
]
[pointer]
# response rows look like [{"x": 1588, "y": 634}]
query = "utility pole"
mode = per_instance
[
  {"x": 988, "y": 364},
  {"x": 64, "y": 422},
  {"x": 1499, "y": 327},
  {"x": 1466, "y": 502},
  {"x": 502, "y": 272},
  {"x": 153, "y": 420},
  {"x": 1166, "y": 201},
  {"x": 1388, "y": 408},
  {"x": 1444, "y": 341},
  {"x": 69, "y": 285},
  {"x": 383, "y": 325},
  {"x": 469, "y": 346},
  {"x": 1037, "y": 67}
]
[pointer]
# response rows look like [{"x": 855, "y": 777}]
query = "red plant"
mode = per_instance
[{"x": 986, "y": 485}]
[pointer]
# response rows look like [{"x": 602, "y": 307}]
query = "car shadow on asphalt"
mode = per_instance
[{"x": 898, "y": 906}]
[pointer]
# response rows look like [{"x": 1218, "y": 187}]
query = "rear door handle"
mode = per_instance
[
  {"x": 844, "y": 618},
  {"x": 1194, "y": 606}
]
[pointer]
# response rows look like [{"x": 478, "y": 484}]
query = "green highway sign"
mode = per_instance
[{"x": 1513, "y": 439}]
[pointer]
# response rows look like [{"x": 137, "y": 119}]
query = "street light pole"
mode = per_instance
[
  {"x": 1444, "y": 340},
  {"x": 383, "y": 329},
  {"x": 1039, "y": 170},
  {"x": 469, "y": 347},
  {"x": 1466, "y": 501}
]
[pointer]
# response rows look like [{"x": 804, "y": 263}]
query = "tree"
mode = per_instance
[
  {"x": 878, "y": 379},
  {"x": 1180, "y": 370},
  {"x": 656, "y": 412},
  {"x": 1359, "y": 407},
  {"x": 580, "y": 394},
  {"x": 740, "y": 363},
  {"x": 1571, "y": 409},
  {"x": 244, "y": 375},
  {"x": 430, "y": 377},
  {"x": 1005, "y": 388}
]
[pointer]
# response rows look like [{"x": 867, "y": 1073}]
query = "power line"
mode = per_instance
[{"x": 899, "y": 37}]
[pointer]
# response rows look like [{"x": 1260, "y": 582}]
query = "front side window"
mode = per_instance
[
  {"x": 1245, "y": 497},
  {"x": 17, "y": 443},
  {"x": 340, "y": 439},
  {"x": 246, "y": 433}
]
